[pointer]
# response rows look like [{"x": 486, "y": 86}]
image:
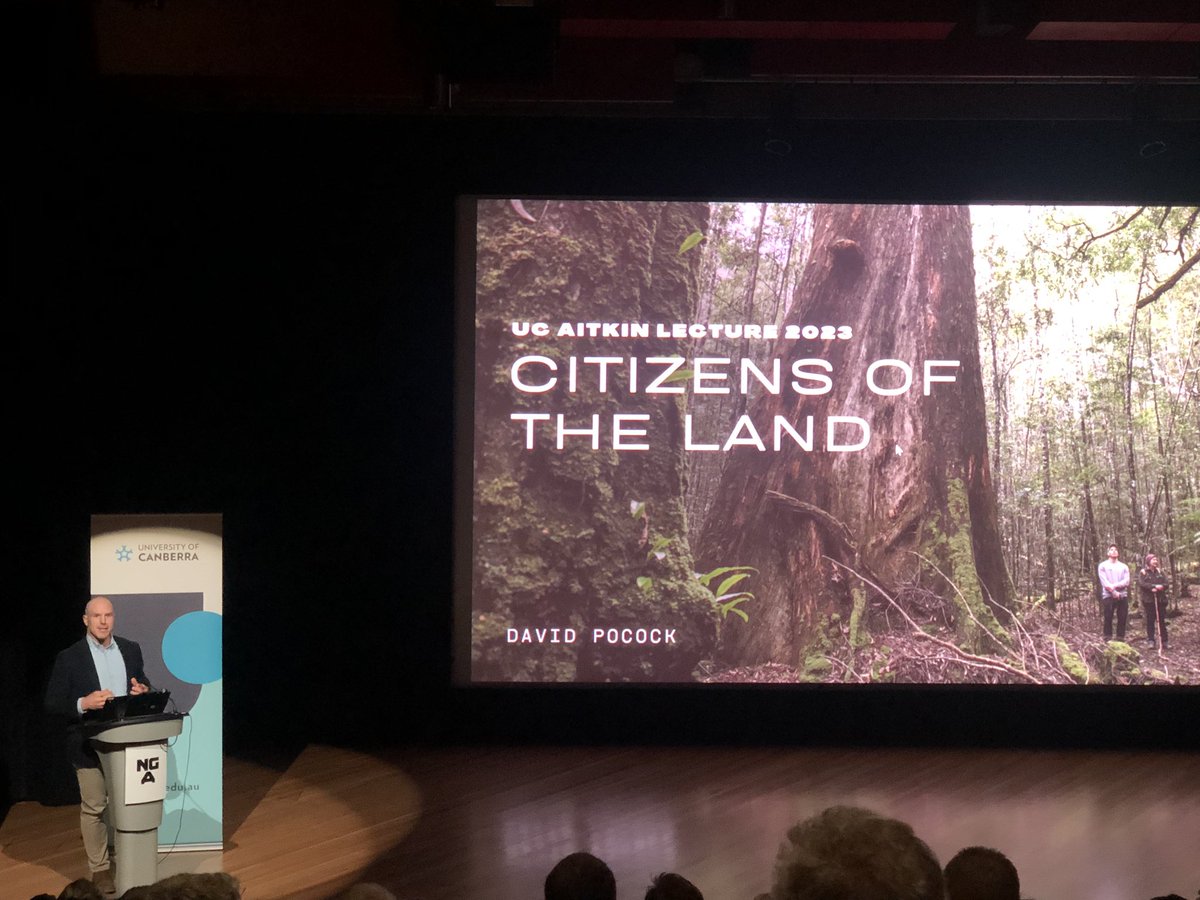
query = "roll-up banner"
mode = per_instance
[{"x": 163, "y": 576}]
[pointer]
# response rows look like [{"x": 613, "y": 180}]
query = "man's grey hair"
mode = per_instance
[
  {"x": 849, "y": 853},
  {"x": 87, "y": 607}
]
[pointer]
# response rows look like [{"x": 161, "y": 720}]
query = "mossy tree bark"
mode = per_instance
[
  {"x": 556, "y": 540},
  {"x": 903, "y": 278}
]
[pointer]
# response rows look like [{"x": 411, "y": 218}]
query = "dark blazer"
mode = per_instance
[{"x": 74, "y": 676}]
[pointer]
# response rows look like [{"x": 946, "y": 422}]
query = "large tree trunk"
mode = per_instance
[
  {"x": 580, "y": 537},
  {"x": 748, "y": 314},
  {"x": 903, "y": 278},
  {"x": 779, "y": 308}
]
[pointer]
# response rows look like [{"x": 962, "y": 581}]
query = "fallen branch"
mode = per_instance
[
  {"x": 961, "y": 655},
  {"x": 849, "y": 669},
  {"x": 966, "y": 605},
  {"x": 833, "y": 526}
]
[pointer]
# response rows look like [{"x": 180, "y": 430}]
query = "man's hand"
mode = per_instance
[
  {"x": 136, "y": 687},
  {"x": 96, "y": 699}
]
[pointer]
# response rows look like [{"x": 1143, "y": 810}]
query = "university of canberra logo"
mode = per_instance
[{"x": 124, "y": 554}]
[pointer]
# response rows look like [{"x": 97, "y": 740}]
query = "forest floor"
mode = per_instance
[{"x": 1059, "y": 646}]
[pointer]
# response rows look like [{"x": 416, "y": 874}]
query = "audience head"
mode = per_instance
[
  {"x": 581, "y": 876},
  {"x": 981, "y": 873},
  {"x": 81, "y": 889},
  {"x": 669, "y": 886},
  {"x": 848, "y": 853},
  {"x": 197, "y": 886}
]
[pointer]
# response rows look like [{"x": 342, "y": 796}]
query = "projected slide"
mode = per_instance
[{"x": 757, "y": 442}]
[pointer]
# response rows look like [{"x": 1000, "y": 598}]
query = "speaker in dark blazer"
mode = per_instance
[{"x": 74, "y": 676}]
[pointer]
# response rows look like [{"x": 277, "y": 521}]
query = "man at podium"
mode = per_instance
[{"x": 86, "y": 676}]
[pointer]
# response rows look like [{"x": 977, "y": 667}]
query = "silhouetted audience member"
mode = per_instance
[
  {"x": 669, "y": 886},
  {"x": 81, "y": 889},
  {"x": 139, "y": 892},
  {"x": 849, "y": 853},
  {"x": 42, "y": 897},
  {"x": 197, "y": 886},
  {"x": 981, "y": 873},
  {"x": 581, "y": 876},
  {"x": 367, "y": 890}
]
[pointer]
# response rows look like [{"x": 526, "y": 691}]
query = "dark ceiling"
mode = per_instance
[{"x": 1096, "y": 60}]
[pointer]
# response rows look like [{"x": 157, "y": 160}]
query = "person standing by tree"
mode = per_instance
[
  {"x": 1152, "y": 582},
  {"x": 1114, "y": 593}
]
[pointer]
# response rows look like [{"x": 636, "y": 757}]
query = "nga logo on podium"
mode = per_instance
[{"x": 145, "y": 774}]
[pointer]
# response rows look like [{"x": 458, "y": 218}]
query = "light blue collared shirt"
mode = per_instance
[
  {"x": 1114, "y": 576},
  {"x": 110, "y": 667}
]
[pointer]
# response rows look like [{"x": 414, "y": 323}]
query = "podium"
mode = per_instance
[{"x": 133, "y": 760}]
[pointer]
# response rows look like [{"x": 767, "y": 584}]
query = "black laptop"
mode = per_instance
[{"x": 131, "y": 706}]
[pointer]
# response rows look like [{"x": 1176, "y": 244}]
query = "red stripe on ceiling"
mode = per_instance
[
  {"x": 1115, "y": 31},
  {"x": 984, "y": 59},
  {"x": 717, "y": 29},
  {"x": 768, "y": 10}
]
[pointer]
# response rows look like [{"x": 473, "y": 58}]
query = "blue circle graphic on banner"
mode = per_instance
[{"x": 191, "y": 647}]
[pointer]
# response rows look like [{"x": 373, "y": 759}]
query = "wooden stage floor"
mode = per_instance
[{"x": 489, "y": 823}]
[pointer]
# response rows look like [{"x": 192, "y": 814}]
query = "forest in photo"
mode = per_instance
[{"x": 913, "y": 481}]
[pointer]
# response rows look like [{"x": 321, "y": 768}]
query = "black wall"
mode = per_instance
[{"x": 252, "y": 314}]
